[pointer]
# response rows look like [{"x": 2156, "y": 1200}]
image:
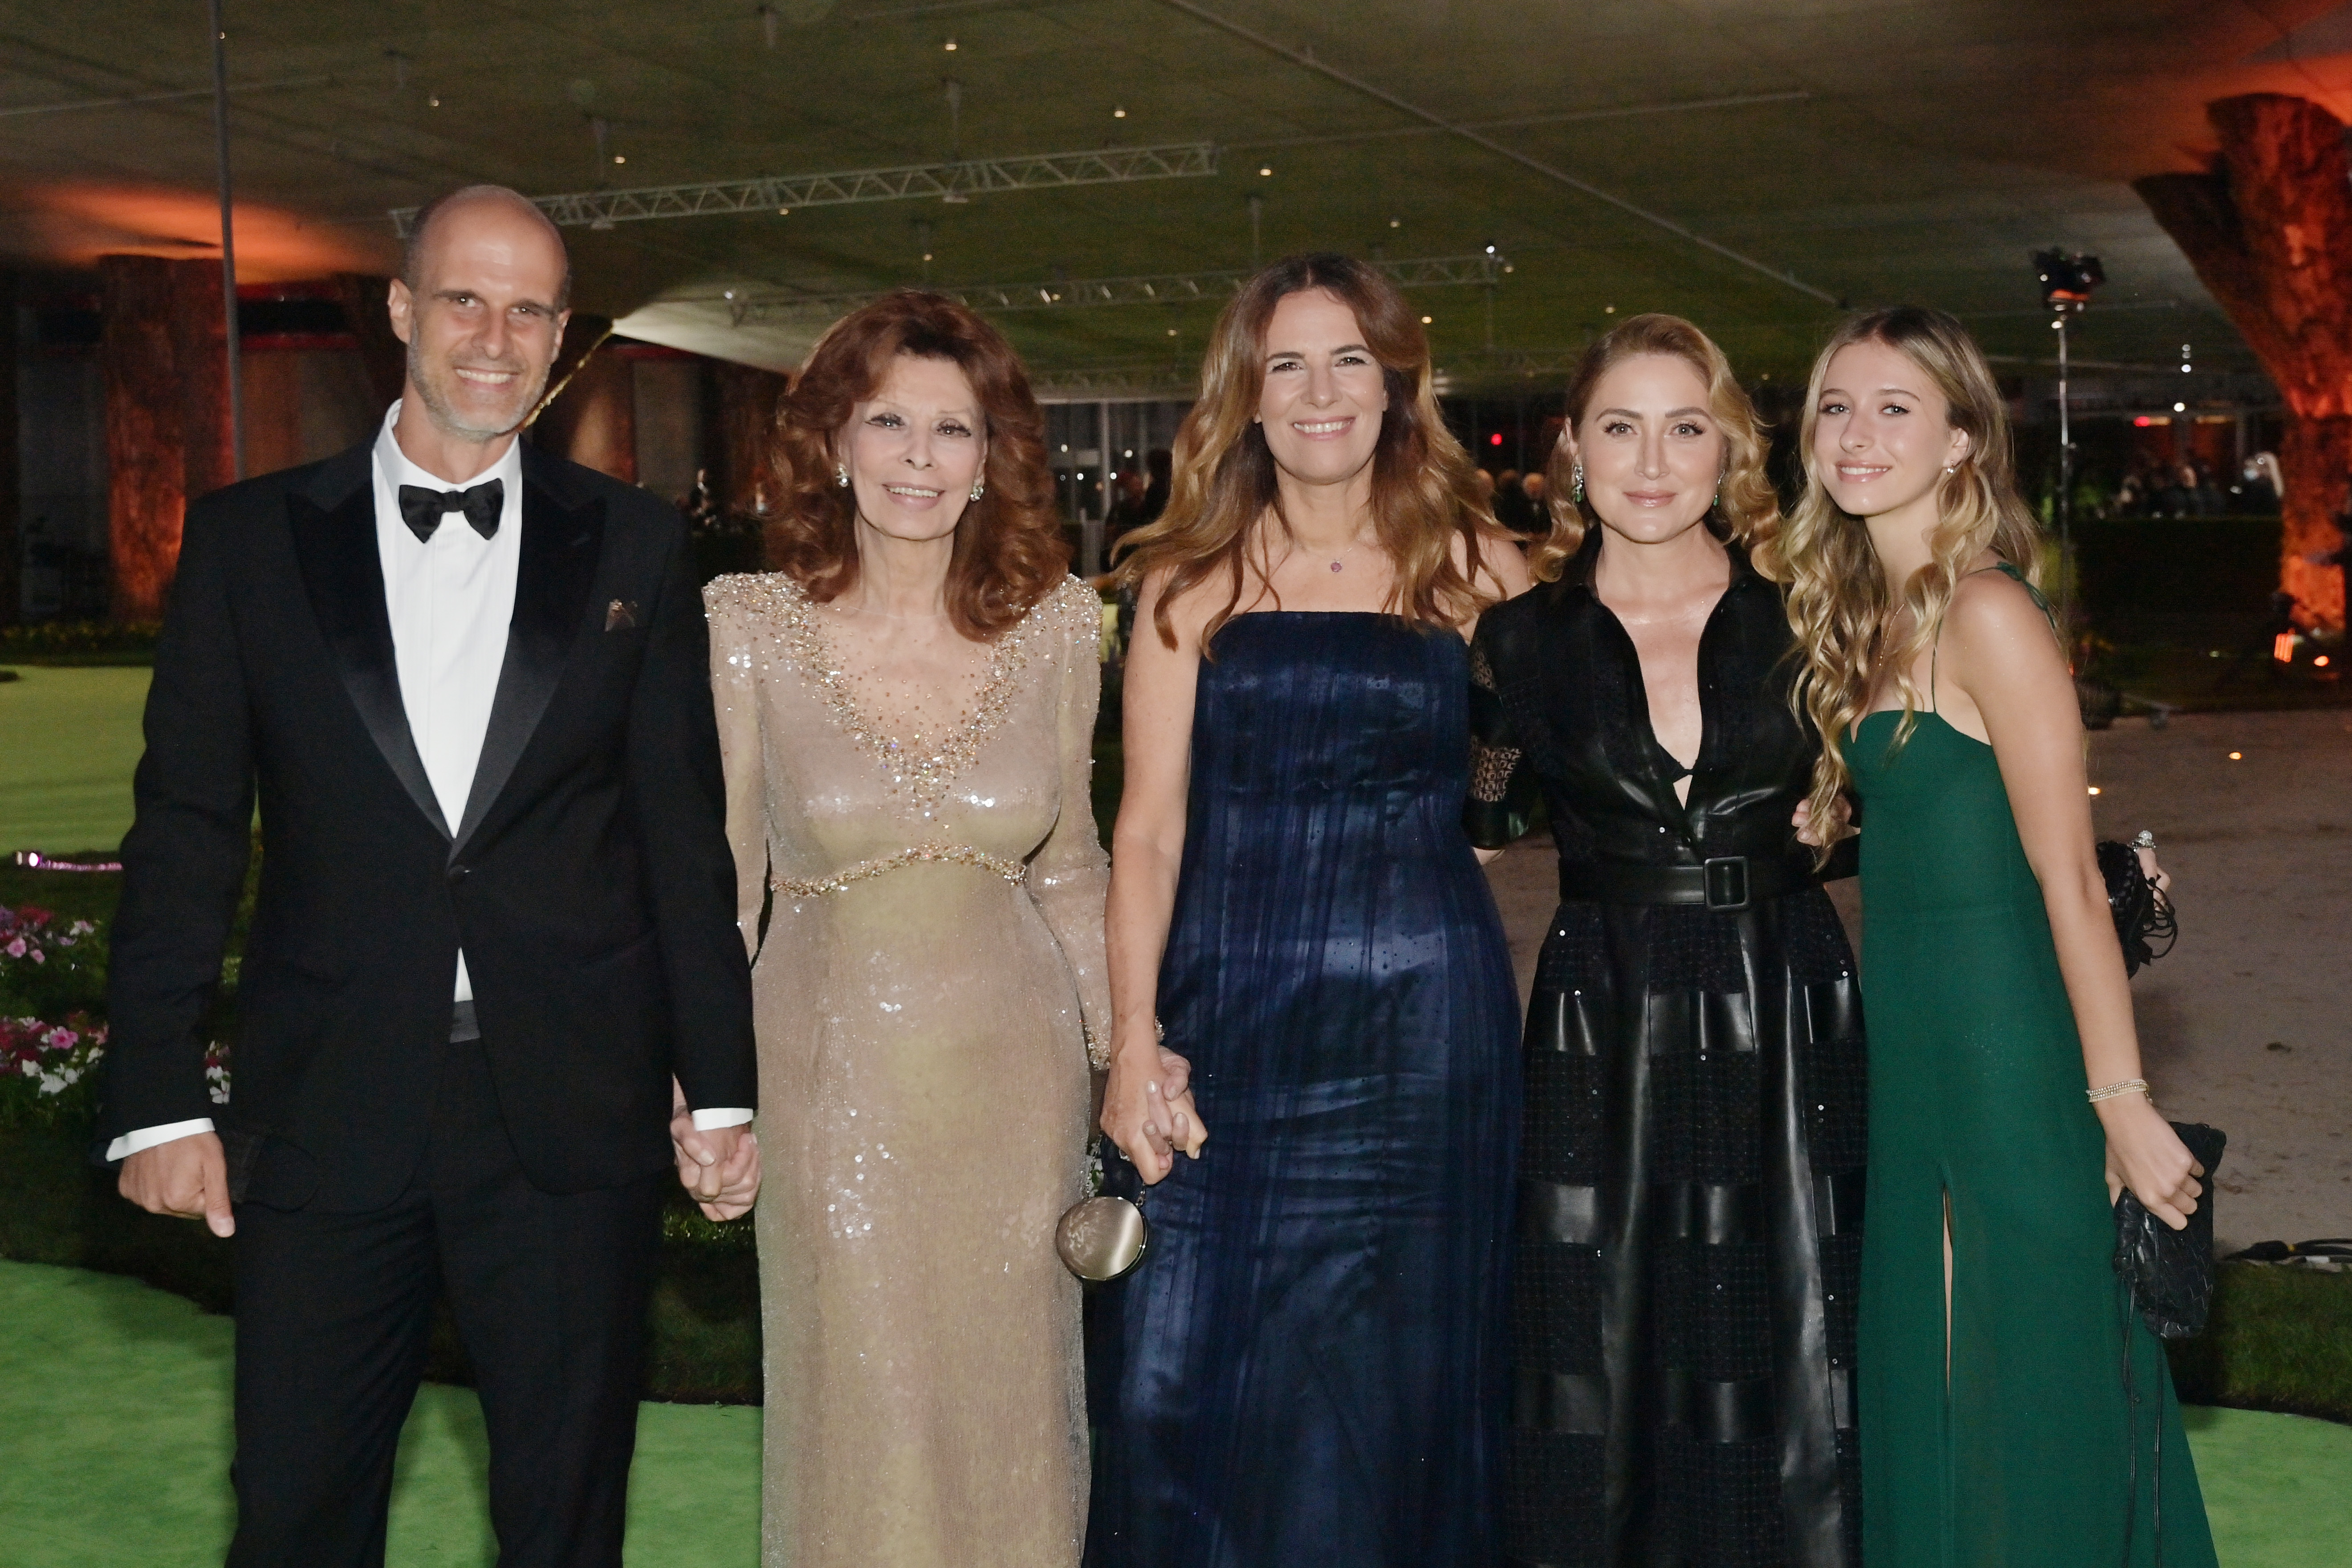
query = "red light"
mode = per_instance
[
  {"x": 1496, "y": 439},
  {"x": 2143, "y": 421}
]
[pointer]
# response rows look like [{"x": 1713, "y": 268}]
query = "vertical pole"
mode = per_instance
[
  {"x": 228, "y": 245},
  {"x": 1090, "y": 558},
  {"x": 1256, "y": 211},
  {"x": 2065, "y": 498}
]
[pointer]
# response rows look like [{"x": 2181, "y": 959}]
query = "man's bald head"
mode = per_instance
[
  {"x": 480, "y": 304},
  {"x": 415, "y": 250}
]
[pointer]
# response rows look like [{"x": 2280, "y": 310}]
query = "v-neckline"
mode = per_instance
[
  {"x": 925, "y": 774},
  {"x": 1655, "y": 750}
]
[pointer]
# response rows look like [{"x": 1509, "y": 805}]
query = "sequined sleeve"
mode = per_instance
[
  {"x": 735, "y": 693},
  {"x": 1502, "y": 790},
  {"x": 1070, "y": 876}
]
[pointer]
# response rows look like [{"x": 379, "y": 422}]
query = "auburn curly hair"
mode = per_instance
[{"x": 1010, "y": 549}]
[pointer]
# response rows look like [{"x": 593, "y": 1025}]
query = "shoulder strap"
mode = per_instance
[{"x": 2039, "y": 602}]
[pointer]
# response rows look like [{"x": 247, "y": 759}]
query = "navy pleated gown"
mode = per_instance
[{"x": 1309, "y": 1364}]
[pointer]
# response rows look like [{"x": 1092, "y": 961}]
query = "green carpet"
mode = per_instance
[
  {"x": 68, "y": 741},
  {"x": 114, "y": 1447},
  {"x": 114, "y": 1444}
]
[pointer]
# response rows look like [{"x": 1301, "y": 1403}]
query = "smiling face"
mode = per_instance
[
  {"x": 1324, "y": 394},
  {"x": 1652, "y": 451},
  {"x": 1882, "y": 435},
  {"x": 914, "y": 449},
  {"x": 484, "y": 318}
]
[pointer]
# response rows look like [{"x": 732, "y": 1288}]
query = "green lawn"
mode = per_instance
[
  {"x": 68, "y": 741},
  {"x": 114, "y": 1448}
]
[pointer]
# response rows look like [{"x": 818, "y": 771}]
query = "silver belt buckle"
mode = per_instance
[{"x": 1724, "y": 881}]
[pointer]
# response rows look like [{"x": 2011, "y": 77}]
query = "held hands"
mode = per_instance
[
  {"x": 719, "y": 1167},
  {"x": 1147, "y": 1109},
  {"x": 2147, "y": 1155},
  {"x": 187, "y": 1177},
  {"x": 1803, "y": 820}
]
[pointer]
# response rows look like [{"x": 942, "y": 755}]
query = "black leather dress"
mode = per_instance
[{"x": 1691, "y": 1169}]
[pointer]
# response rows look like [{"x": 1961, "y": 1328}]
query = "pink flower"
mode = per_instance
[{"x": 14, "y": 949}]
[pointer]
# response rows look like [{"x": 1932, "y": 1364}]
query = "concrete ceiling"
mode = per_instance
[{"x": 1875, "y": 150}]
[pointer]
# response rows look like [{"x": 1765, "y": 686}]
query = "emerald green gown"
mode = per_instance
[{"x": 2057, "y": 1443}]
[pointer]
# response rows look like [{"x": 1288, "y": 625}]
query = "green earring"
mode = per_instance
[{"x": 1575, "y": 486}]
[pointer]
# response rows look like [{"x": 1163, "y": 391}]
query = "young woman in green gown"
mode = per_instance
[{"x": 2014, "y": 1411}]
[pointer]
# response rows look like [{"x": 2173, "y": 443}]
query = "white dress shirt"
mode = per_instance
[{"x": 450, "y": 600}]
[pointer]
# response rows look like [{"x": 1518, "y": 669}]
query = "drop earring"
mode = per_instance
[
  {"x": 1576, "y": 484},
  {"x": 840, "y": 474}
]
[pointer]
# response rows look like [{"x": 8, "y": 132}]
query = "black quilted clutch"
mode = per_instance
[
  {"x": 2171, "y": 1271},
  {"x": 2145, "y": 922}
]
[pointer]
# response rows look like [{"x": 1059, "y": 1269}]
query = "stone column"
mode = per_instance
[
  {"x": 146, "y": 417},
  {"x": 2269, "y": 230},
  {"x": 12, "y": 482}
]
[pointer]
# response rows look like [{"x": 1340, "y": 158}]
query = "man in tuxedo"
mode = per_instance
[{"x": 493, "y": 984}]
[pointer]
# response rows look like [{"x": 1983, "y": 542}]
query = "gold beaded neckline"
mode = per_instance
[{"x": 915, "y": 770}]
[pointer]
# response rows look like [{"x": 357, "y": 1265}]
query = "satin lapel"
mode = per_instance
[
  {"x": 561, "y": 545},
  {"x": 344, "y": 577}
]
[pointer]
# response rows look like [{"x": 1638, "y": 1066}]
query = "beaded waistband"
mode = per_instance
[{"x": 921, "y": 855}]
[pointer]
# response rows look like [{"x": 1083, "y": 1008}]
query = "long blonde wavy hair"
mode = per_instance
[
  {"x": 1839, "y": 603},
  {"x": 1425, "y": 494},
  {"x": 1748, "y": 510}
]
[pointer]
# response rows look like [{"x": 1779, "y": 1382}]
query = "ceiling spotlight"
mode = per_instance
[
  {"x": 728, "y": 294},
  {"x": 926, "y": 256},
  {"x": 620, "y": 158},
  {"x": 1508, "y": 267},
  {"x": 434, "y": 102},
  {"x": 1118, "y": 114},
  {"x": 783, "y": 212},
  {"x": 1490, "y": 250},
  {"x": 1396, "y": 222},
  {"x": 1609, "y": 310},
  {"x": 949, "y": 45},
  {"x": 1265, "y": 171},
  {"x": 1172, "y": 331},
  {"x": 1425, "y": 320},
  {"x": 2181, "y": 408}
]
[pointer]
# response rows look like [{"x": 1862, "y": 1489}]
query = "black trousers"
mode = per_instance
[{"x": 333, "y": 1312}]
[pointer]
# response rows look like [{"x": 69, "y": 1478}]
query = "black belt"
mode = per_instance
[{"x": 1726, "y": 882}]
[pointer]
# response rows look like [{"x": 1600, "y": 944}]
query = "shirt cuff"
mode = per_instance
[
  {"x": 720, "y": 1116},
  {"x": 129, "y": 1144}
]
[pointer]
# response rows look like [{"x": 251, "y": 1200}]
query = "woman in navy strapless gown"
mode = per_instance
[{"x": 1308, "y": 1365}]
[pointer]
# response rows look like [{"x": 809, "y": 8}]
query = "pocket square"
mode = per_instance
[{"x": 620, "y": 615}]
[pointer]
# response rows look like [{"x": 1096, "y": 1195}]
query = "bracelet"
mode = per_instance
[{"x": 2128, "y": 1086}]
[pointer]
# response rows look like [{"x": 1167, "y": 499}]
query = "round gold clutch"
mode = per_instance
[{"x": 1101, "y": 1238}]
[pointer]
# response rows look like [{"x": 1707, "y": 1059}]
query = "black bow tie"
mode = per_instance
[{"x": 422, "y": 510}]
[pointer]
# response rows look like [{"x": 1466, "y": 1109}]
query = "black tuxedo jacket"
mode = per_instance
[{"x": 590, "y": 882}]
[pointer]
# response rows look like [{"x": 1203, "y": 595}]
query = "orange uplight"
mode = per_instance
[
  {"x": 74, "y": 224},
  {"x": 2282, "y": 647},
  {"x": 2320, "y": 663},
  {"x": 2237, "y": 757}
]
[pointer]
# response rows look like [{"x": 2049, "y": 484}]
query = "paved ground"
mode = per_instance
[{"x": 2247, "y": 1023}]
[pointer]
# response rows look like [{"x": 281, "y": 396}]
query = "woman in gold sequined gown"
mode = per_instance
[{"x": 905, "y": 712}]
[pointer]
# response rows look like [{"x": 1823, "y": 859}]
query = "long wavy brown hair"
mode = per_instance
[
  {"x": 1839, "y": 602},
  {"x": 1425, "y": 492},
  {"x": 1010, "y": 549},
  {"x": 1746, "y": 507}
]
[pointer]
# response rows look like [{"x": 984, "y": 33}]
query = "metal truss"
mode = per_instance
[
  {"x": 1158, "y": 288},
  {"x": 958, "y": 181},
  {"x": 1118, "y": 383}
]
